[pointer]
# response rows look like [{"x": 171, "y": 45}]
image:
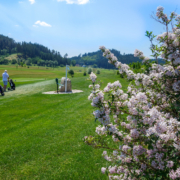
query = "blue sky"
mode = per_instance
[{"x": 80, "y": 26}]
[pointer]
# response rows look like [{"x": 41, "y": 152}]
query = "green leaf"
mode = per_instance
[{"x": 109, "y": 104}]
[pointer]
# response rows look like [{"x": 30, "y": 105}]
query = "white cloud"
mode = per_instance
[
  {"x": 41, "y": 23},
  {"x": 17, "y": 25},
  {"x": 32, "y": 1},
  {"x": 75, "y": 1}
]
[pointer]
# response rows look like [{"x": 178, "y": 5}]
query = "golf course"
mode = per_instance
[{"x": 42, "y": 134}]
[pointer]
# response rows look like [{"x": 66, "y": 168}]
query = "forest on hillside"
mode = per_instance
[
  {"x": 31, "y": 53},
  {"x": 96, "y": 58},
  {"x": 34, "y": 53}
]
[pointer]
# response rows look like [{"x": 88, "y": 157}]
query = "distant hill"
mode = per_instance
[
  {"x": 33, "y": 53},
  {"x": 98, "y": 59}
]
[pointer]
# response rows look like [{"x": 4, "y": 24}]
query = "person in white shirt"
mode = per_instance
[{"x": 5, "y": 77}]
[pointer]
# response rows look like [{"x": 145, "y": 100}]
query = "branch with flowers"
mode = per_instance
[{"x": 145, "y": 128}]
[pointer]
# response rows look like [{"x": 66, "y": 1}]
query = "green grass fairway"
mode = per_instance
[{"x": 41, "y": 135}]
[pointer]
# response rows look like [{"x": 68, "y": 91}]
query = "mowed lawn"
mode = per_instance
[{"x": 41, "y": 136}]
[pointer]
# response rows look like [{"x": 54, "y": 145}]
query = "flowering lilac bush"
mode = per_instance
[{"x": 144, "y": 122}]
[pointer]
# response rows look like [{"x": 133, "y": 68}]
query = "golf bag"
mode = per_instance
[
  {"x": 12, "y": 84},
  {"x": 1, "y": 91}
]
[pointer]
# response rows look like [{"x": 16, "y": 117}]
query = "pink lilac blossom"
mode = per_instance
[
  {"x": 93, "y": 77},
  {"x": 176, "y": 86},
  {"x": 103, "y": 170},
  {"x": 170, "y": 164},
  {"x": 112, "y": 169},
  {"x": 178, "y": 18},
  {"x": 138, "y": 150},
  {"x": 134, "y": 133},
  {"x": 150, "y": 119},
  {"x": 125, "y": 148}
]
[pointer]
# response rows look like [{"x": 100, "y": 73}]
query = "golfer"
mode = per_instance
[{"x": 5, "y": 77}]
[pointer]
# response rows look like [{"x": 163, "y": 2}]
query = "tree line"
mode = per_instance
[
  {"x": 96, "y": 58},
  {"x": 32, "y": 52}
]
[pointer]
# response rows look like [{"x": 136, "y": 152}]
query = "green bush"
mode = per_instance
[
  {"x": 71, "y": 72},
  {"x": 98, "y": 72},
  {"x": 4, "y": 61},
  {"x": 13, "y": 61},
  {"x": 89, "y": 71},
  {"x": 121, "y": 75},
  {"x": 84, "y": 73}
]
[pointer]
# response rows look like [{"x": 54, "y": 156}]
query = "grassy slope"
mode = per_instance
[
  {"x": 41, "y": 135},
  {"x": 12, "y": 56}
]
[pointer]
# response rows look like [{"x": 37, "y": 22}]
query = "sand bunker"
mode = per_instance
[{"x": 55, "y": 92}]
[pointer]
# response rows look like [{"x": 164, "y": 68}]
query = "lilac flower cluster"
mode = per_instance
[{"x": 148, "y": 140}]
